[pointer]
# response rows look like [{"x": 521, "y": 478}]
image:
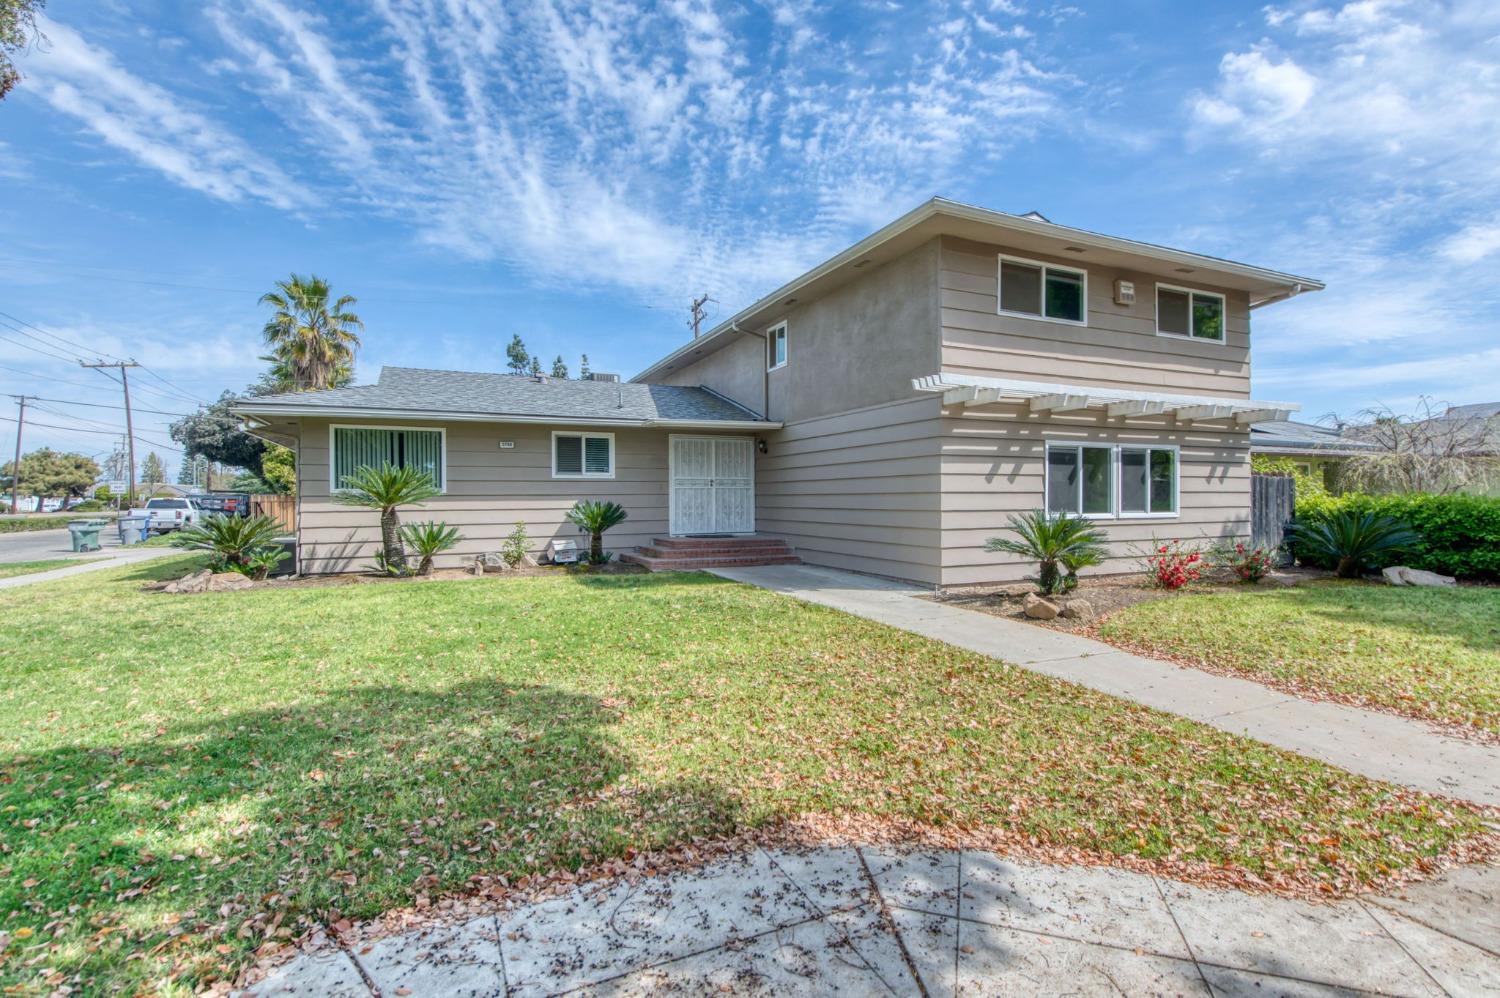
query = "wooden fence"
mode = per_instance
[
  {"x": 283, "y": 509},
  {"x": 1273, "y": 498}
]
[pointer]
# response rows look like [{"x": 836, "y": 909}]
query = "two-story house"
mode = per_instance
[{"x": 884, "y": 412}]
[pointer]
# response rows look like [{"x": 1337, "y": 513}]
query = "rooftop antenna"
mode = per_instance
[{"x": 698, "y": 313}]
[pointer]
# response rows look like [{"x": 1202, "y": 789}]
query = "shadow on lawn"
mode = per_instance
[
  {"x": 348, "y": 803},
  {"x": 1421, "y": 613}
]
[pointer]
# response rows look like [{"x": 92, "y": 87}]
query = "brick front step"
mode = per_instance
[
  {"x": 725, "y": 561},
  {"x": 686, "y": 544},
  {"x": 653, "y": 551}
]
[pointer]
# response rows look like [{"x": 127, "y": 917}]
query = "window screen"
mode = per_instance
[
  {"x": 1198, "y": 314},
  {"x": 1163, "y": 481},
  {"x": 1096, "y": 480},
  {"x": 1062, "y": 480},
  {"x": 1172, "y": 311},
  {"x": 1133, "y": 483},
  {"x": 569, "y": 455},
  {"x": 586, "y": 455},
  {"x": 358, "y": 447},
  {"x": 1020, "y": 288}
]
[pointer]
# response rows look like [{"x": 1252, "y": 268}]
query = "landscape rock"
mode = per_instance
[
  {"x": 1400, "y": 575},
  {"x": 494, "y": 562},
  {"x": 476, "y": 567},
  {"x": 1039, "y": 609},
  {"x": 529, "y": 561},
  {"x": 224, "y": 582},
  {"x": 1078, "y": 609},
  {"x": 195, "y": 583}
]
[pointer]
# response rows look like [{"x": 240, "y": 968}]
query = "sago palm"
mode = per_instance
[
  {"x": 235, "y": 541},
  {"x": 429, "y": 539},
  {"x": 1057, "y": 543},
  {"x": 385, "y": 487},
  {"x": 1352, "y": 541},
  {"x": 312, "y": 335},
  {"x": 595, "y": 518}
]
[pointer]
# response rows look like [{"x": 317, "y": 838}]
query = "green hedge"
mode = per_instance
[{"x": 1460, "y": 535}]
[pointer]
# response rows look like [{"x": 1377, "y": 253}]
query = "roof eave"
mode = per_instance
[{"x": 440, "y": 416}]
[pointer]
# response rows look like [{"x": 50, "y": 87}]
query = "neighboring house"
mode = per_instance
[
  {"x": 1314, "y": 449},
  {"x": 884, "y": 412}
]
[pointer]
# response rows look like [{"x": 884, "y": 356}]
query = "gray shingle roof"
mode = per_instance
[
  {"x": 418, "y": 390},
  {"x": 1286, "y": 434}
]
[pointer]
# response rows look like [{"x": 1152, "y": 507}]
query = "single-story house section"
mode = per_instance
[
  {"x": 1313, "y": 449},
  {"x": 887, "y": 412}
]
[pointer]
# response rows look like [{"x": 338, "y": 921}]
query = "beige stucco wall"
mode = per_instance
[
  {"x": 1119, "y": 347},
  {"x": 993, "y": 460},
  {"x": 488, "y": 491}
]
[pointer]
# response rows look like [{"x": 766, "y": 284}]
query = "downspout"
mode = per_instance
[
  {"x": 765, "y": 374},
  {"x": 1296, "y": 290}
]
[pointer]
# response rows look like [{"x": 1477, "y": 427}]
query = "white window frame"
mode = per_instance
[
  {"x": 583, "y": 434},
  {"x": 333, "y": 464},
  {"x": 772, "y": 334},
  {"x": 1000, "y": 308},
  {"x": 1176, "y": 482},
  {"x": 1113, "y": 477},
  {"x": 1180, "y": 289}
]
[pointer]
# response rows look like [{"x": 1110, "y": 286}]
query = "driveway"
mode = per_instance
[
  {"x": 871, "y": 921},
  {"x": 44, "y": 545}
]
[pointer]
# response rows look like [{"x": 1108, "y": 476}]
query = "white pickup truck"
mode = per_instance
[{"x": 172, "y": 514}]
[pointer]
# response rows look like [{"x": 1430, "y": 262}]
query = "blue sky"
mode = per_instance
[{"x": 576, "y": 172}]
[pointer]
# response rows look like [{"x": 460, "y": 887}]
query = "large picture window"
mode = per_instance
[
  {"x": 1193, "y": 314},
  {"x": 1103, "y": 480},
  {"x": 583, "y": 455},
  {"x": 1042, "y": 291},
  {"x": 356, "y": 447}
]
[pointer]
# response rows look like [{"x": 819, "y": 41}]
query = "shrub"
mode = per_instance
[
  {"x": 516, "y": 543},
  {"x": 428, "y": 540},
  {"x": 1309, "y": 484},
  {"x": 594, "y": 517},
  {"x": 1456, "y": 534},
  {"x": 238, "y": 543},
  {"x": 1172, "y": 565},
  {"x": 1249, "y": 564},
  {"x": 88, "y": 506},
  {"x": 1061, "y": 545},
  {"x": 1353, "y": 541}
]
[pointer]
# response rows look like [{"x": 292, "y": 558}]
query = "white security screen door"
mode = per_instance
[{"x": 713, "y": 485}]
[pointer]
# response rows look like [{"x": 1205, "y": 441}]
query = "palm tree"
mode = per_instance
[
  {"x": 385, "y": 488},
  {"x": 312, "y": 336},
  {"x": 596, "y": 517},
  {"x": 429, "y": 540},
  {"x": 1058, "y": 543},
  {"x": 1352, "y": 541}
]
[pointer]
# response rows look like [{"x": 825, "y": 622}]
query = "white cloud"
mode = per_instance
[
  {"x": 1473, "y": 242},
  {"x": 151, "y": 125}
]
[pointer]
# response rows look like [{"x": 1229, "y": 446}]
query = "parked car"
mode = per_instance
[
  {"x": 172, "y": 514},
  {"x": 225, "y": 503}
]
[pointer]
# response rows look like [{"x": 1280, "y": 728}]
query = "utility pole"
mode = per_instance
[
  {"x": 698, "y": 314},
  {"x": 15, "y": 469},
  {"x": 129, "y": 429}
]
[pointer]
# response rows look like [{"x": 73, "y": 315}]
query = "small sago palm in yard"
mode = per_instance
[
  {"x": 386, "y": 488},
  {"x": 429, "y": 539},
  {"x": 1061, "y": 545},
  {"x": 244, "y": 544},
  {"x": 595, "y": 517},
  {"x": 1352, "y": 541}
]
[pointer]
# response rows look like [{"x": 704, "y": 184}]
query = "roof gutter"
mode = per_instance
[
  {"x": 1296, "y": 290},
  {"x": 345, "y": 412}
]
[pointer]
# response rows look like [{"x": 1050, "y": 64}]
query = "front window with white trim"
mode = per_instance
[
  {"x": 776, "y": 346},
  {"x": 1042, "y": 290},
  {"x": 1148, "y": 481},
  {"x": 1191, "y": 314},
  {"x": 1104, "y": 481},
  {"x": 583, "y": 455},
  {"x": 356, "y": 447}
]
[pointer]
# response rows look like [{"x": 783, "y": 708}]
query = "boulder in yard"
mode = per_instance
[
  {"x": 1078, "y": 609},
  {"x": 1400, "y": 575},
  {"x": 195, "y": 583},
  {"x": 529, "y": 561},
  {"x": 493, "y": 562},
  {"x": 224, "y": 582},
  {"x": 1039, "y": 609}
]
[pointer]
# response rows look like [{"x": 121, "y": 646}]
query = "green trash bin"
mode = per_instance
[{"x": 85, "y": 534}]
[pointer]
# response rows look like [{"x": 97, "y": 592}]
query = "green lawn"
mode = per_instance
[
  {"x": 1429, "y": 653},
  {"x": 14, "y": 568},
  {"x": 182, "y": 775}
]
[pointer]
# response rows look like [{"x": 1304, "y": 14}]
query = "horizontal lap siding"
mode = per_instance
[
  {"x": 858, "y": 490},
  {"x": 1119, "y": 347},
  {"x": 993, "y": 463},
  {"x": 489, "y": 490}
]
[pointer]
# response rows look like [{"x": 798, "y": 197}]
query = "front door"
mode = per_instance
[{"x": 713, "y": 485}]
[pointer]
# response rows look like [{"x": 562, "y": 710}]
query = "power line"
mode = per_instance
[
  {"x": 77, "y": 419},
  {"x": 36, "y": 349},
  {"x": 101, "y": 405},
  {"x": 46, "y": 377},
  {"x": 53, "y": 336},
  {"x": 123, "y": 366},
  {"x": 105, "y": 433}
]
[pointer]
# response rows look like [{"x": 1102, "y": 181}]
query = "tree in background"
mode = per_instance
[
  {"x": 153, "y": 472},
  {"x": 583, "y": 367},
  {"x": 17, "y": 30},
  {"x": 312, "y": 335},
  {"x": 49, "y": 473},
  {"x": 278, "y": 467},
  {"x": 1426, "y": 450},
  {"x": 536, "y": 367},
  {"x": 516, "y": 357},
  {"x": 214, "y": 432},
  {"x": 559, "y": 368}
]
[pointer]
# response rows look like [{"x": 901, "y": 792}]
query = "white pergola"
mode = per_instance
[{"x": 1043, "y": 398}]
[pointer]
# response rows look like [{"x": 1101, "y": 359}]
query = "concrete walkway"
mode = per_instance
[
  {"x": 1382, "y": 746},
  {"x": 865, "y": 921},
  {"x": 109, "y": 558}
]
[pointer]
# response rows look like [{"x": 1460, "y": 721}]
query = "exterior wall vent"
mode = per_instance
[{"x": 1124, "y": 292}]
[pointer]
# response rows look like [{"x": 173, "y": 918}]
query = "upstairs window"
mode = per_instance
[
  {"x": 776, "y": 346},
  {"x": 1193, "y": 314},
  {"x": 356, "y": 447},
  {"x": 583, "y": 455},
  {"x": 1042, "y": 291}
]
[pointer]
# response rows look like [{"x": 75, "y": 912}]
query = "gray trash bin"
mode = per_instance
[
  {"x": 134, "y": 527},
  {"x": 85, "y": 534}
]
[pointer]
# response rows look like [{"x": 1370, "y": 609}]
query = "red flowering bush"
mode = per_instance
[
  {"x": 1172, "y": 565},
  {"x": 1250, "y": 564}
]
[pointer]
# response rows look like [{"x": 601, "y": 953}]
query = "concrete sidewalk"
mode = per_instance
[
  {"x": 109, "y": 558},
  {"x": 867, "y": 921},
  {"x": 1382, "y": 746}
]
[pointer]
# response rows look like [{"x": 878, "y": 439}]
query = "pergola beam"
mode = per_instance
[
  {"x": 1248, "y": 416},
  {"x": 1192, "y": 413},
  {"x": 960, "y": 396},
  {"x": 1119, "y": 410},
  {"x": 1059, "y": 403},
  {"x": 983, "y": 396}
]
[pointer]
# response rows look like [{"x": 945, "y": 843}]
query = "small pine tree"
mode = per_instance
[
  {"x": 153, "y": 473},
  {"x": 535, "y": 368},
  {"x": 517, "y": 359},
  {"x": 583, "y": 367},
  {"x": 559, "y": 369}
]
